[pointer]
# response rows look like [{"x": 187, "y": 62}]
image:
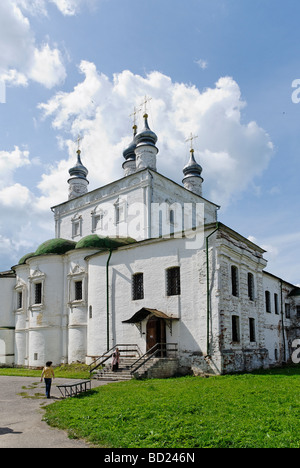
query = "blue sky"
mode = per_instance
[{"x": 222, "y": 69}]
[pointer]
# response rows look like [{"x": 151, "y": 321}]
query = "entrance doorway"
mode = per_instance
[{"x": 156, "y": 333}]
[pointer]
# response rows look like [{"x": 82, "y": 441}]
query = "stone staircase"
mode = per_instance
[
  {"x": 152, "y": 365},
  {"x": 159, "y": 368},
  {"x": 123, "y": 373}
]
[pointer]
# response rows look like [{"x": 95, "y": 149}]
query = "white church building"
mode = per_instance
[{"x": 145, "y": 262}]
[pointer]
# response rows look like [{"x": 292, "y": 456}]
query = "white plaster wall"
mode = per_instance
[
  {"x": 6, "y": 321},
  {"x": 21, "y": 348},
  {"x": 138, "y": 192},
  {"x": 152, "y": 259},
  {"x": 6, "y": 301},
  {"x": 7, "y": 340}
]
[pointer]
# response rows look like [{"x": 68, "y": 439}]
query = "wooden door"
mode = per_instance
[{"x": 156, "y": 332}]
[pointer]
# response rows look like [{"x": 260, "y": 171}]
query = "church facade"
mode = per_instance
[{"x": 144, "y": 260}]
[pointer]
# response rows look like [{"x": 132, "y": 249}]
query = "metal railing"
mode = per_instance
[
  {"x": 124, "y": 349},
  {"x": 159, "y": 350}
]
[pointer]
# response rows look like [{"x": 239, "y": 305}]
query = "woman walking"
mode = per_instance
[{"x": 48, "y": 375}]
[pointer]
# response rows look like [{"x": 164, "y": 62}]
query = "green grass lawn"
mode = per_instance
[
  {"x": 72, "y": 371},
  {"x": 252, "y": 410}
]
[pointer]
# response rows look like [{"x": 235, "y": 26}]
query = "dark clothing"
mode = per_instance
[{"x": 48, "y": 383}]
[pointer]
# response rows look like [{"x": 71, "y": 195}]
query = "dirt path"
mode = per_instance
[{"x": 21, "y": 412}]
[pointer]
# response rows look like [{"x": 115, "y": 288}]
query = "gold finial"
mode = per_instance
[
  {"x": 145, "y": 102},
  {"x": 191, "y": 139}
]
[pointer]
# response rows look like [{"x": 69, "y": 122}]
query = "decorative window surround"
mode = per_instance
[
  {"x": 20, "y": 301},
  {"x": 76, "y": 226},
  {"x": 97, "y": 219},
  {"x": 77, "y": 275},
  {"x": 120, "y": 211},
  {"x": 36, "y": 278}
]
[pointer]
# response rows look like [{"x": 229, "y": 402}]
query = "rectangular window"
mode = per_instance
[
  {"x": 287, "y": 311},
  {"x": 173, "y": 281},
  {"x": 268, "y": 301},
  {"x": 96, "y": 222},
  {"x": 78, "y": 291},
  {"x": 251, "y": 286},
  {"x": 234, "y": 281},
  {"x": 252, "y": 330},
  {"x": 120, "y": 212},
  {"x": 235, "y": 329},
  {"x": 138, "y": 286},
  {"x": 38, "y": 293},
  {"x": 20, "y": 300},
  {"x": 76, "y": 229},
  {"x": 276, "y": 304}
]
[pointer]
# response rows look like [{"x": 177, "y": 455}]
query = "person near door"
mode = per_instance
[{"x": 116, "y": 360}]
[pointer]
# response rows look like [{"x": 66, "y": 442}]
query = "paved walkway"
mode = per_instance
[{"x": 21, "y": 424}]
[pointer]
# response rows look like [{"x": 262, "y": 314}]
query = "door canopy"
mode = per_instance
[{"x": 144, "y": 313}]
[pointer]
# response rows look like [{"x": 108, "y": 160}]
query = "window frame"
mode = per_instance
[
  {"x": 268, "y": 305},
  {"x": 137, "y": 287},
  {"x": 252, "y": 330},
  {"x": 38, "y": 293},
  {"x": 251, "y": 287},
  {"x": 78, "y": 285},
  {"x": 235, "y": 329},
  {"x": 234, "y": 281},
  {"x": 173, "y": 281},
  {"x": 276, "y": 303}
]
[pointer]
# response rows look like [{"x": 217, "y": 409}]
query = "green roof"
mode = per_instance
[
  {"x": 55, "y": 246},
  {"x": 23, "y": 259},
  {"x": 62, "y": 246},
  {"x": 97, "y": 242}
]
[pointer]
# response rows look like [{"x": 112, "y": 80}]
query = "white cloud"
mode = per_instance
[
  {"x": 231, "y": 153},
  {"x": 47, "y": 68},
  {"x": 9, "y": 162},
  {"x": 68, "y": 7},
  {"x": 203, "y": 64},
  {"x": 24, "y": 223},
  {"x": 21, "y": 59}
]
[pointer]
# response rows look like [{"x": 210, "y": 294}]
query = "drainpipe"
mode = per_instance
[
  {"x": 282, "y": 321},
  {"x": 208, "y": 290},
  {"x": 107, "y": 299}
]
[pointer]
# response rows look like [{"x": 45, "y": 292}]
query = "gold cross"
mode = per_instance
[
  {"x": 191, "y": 139},
  {"x": 134, "y": 115},
  {"x": 145, "y": 102},
  {"x": 78, "y": 140}
]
